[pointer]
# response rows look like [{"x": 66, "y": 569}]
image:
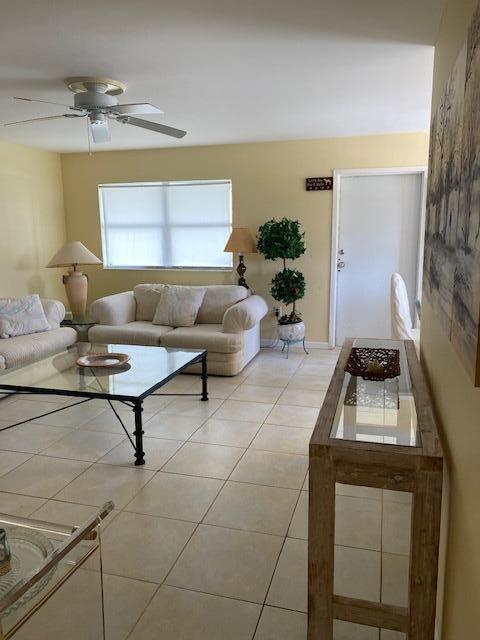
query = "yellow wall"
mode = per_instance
[
  {"x": 458, "y": 408},
  {"x": 32, "y": 222},
  {"x": 268, "y": 181}
]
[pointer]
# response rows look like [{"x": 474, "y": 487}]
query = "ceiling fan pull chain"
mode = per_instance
[{"x": 88, "y": 137}]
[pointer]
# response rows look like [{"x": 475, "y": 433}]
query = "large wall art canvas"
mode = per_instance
[{"x": 452, "y": 234}]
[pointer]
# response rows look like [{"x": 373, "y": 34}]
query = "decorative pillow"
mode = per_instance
[
  {"x": 21, "y": 316},
  {"x": 147, "y": 297},
  {"x": 178, "y": 306}
]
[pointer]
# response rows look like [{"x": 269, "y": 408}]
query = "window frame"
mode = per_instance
[{"x": 156, "y": 184}]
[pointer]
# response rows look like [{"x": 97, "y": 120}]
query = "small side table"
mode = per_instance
[
  {"x": 81, "y": 326},
  {"x": 49, "y": 588}
]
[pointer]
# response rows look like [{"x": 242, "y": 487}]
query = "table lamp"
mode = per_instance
[
  {"x": 71, "y": 255},
  {"x": 241, "y": 242}
]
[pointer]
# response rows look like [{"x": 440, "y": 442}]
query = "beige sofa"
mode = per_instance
[
  {"x": 22, "y": 350},
  {"x": 227, "y": 324}
]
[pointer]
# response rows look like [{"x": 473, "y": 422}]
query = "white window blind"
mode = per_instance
[{"x": 166, "y": 224}]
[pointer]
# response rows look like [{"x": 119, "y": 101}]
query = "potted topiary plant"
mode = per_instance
[{"x": 284, "y": 240}]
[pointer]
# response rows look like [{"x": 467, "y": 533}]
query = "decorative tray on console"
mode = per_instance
[
  {"x": 29, "y": 550},
  {"x": 103, "y": 360},
  {"x": 373, "y": 364}
]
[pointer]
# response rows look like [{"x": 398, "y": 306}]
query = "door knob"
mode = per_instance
[{"x": 340, "y": 265}]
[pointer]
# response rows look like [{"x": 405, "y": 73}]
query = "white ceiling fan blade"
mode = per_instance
[
  {"x": 152, "y": 126},
  {"x": 63, "y": 115},
  {"x": 138, "y": 107},
  {"x": 100, "y": 131},
  {"x": 59, "y": 104}
]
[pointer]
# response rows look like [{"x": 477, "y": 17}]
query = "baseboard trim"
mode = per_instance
[{"x": 268, "y": 342}]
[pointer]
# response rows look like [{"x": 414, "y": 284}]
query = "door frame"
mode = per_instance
[{"x": 338, "y": 174}]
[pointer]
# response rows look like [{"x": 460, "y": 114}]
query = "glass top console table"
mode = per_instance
[
  {"x": 53, "y": 587},
  {"x": 379, "y": 435}
]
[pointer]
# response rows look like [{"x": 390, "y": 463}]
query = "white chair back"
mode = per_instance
[{"x": 402, "y": 328}]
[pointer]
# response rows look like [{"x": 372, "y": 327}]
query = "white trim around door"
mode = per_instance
[{"x": 338, "y": 174}]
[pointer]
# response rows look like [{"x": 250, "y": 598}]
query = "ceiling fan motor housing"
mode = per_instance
[{"x": 94, "y": 100}]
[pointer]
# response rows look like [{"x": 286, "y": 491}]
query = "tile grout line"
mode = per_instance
[{"x": 264, "y": 604}]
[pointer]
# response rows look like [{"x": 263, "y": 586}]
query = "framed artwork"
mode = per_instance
[{"x": 452, "y": 234}]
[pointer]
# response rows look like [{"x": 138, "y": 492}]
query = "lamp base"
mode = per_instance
[
  {"x": 76, "y": 288},
  {"x": 241, "y": 269}
]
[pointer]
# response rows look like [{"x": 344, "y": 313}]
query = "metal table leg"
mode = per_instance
[
  {"x": 138, "y": 433},
  {"x": 204, "y": 379}
]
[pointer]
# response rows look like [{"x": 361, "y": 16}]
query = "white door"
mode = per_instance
[{"x": 378, "y": 234}]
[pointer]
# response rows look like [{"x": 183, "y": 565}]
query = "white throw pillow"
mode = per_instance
[
  {"x": 178, "y": 306},
  {"x": 21, "y": 316}
]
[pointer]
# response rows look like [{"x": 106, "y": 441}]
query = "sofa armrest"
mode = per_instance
[
  {"x": 54, "y": 312},
  {"x": 244, "y": 315},
  {"x": 114, "y": 310}
]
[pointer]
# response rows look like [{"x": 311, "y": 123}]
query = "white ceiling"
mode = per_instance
[{"x": 224, "y": 70}]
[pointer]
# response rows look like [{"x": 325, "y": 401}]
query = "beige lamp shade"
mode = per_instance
[
  {"x": 240, "y": 241},
  {"x": 71, "y": 254},
  {"x": 76, "y": 283}
]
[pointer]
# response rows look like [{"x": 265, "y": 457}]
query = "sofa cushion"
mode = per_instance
[
  {"x": 178, "y": 306},
  {"x": 204, "y": 336},
  {"x": 218, "y": 298},
  {"x": 136, "y": 332},
  {"x": 22, "y": 350},
  {"x": 147, "y": 297},
  {"x": 22, "y": 316}
]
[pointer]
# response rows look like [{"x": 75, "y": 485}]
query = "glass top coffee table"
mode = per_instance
[{"x": 148, "y": 369}]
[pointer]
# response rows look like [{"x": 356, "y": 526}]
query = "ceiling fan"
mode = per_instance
[{"x": 95, "y": 99}]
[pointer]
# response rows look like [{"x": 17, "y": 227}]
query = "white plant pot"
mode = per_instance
[{"x": 291, "y": 332}]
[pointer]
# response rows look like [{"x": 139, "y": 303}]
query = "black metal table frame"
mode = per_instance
[{"x": 135, "y": 403}]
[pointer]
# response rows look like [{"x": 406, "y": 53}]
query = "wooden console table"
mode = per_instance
[{"x": 382, "y": 435}]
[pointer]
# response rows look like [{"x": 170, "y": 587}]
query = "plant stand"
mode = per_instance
[
  {"x": 287, "y": 343},
  {"x": 292, "y": 333}
]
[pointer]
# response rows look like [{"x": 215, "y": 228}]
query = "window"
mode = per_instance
[{"x": 166, "y": 224}]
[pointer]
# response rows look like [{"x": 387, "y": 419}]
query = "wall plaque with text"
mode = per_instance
[{"x": 319, "y": 184}]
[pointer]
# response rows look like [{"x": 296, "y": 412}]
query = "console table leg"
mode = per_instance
[
  {"x": 138, "y": 433},
  {"x": 321, "y": 545},
  {"x": 427, "y": 506},
  {"x": 204, "y": 379}
]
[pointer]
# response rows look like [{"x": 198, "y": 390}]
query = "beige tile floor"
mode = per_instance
[{"x": 209, "y": 538}]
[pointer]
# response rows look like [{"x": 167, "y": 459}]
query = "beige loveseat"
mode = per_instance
[
  {"x": 21, "y": 350},
  {"x": 227, "y": 324}
]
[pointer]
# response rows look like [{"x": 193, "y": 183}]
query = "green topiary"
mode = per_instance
[{"x": 283, "y": 239}]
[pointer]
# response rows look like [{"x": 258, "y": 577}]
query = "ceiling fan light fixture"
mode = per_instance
[{"x": 97, "y": 118}]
